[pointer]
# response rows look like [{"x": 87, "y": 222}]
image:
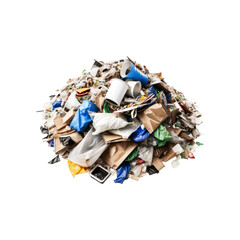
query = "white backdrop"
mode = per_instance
[{"x": 195, "y": 44}]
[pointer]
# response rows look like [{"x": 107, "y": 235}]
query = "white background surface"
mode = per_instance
[{"x": 196, "y": 46}]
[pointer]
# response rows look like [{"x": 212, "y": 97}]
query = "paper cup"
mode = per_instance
[
  {"x": 129, "y": 71},
  {"x": 134, "y": 88},
  {"x": 116, "y": 91}
]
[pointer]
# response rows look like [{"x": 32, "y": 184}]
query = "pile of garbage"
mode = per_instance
[{"x": 120, "y": 118}]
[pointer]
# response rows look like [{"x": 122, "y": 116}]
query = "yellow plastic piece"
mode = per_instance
[
  {"x": 141, "y": 98},
  {"x": 81, "y": 90},
  {"x": 76, "y": 169}
]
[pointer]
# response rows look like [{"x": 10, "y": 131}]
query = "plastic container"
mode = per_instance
[
  {"x": 99, "y": 173},
  {"x": 116, "y": 91},
  {"x": 134, "y": 88},
  {"x": 129, "y": 71}
]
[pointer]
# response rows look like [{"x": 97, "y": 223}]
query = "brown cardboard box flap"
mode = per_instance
[
  {"x": 111, "y": 138},
  {"x": 76, "y": 137},
  {"x": 153, "y": 116},
  {"x": 58, "y": 147},
  {"x": 177, "y": 131},
  {"x": 66, "y": 130},
  {"x": 162, "y": 86},
  {"x": 157, "y": 163},
  {"x": 116, "y": 153},
  {"x": 59, "y": 123},
  {"x": 69, "y": 116}
]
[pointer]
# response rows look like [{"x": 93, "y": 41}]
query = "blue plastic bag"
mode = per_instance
[
  {"x": 56, "y": 104},
  {"x": 82, "y": 119},
  {"x": 140, "y": 135},
  {"x": 122, "y": 172}
]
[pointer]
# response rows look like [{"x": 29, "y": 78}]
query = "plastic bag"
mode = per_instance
[
  {"x": 122, "y": 172},
  {"x": 82, "y": 118},
  {"x": 126, "y": 131},
  {"x": 87, "y": 152},
  {"x": 140, "y": 134},
  {"x": 72, "y": 102},
  {"x": 76, "y": 169},
  {"x": 137, "y": 170},
  {"x": 56, "y": 104},
  {"x": 132, "y": 155},
  {"x": 162, "y": 135},
  {"x": 151, "y": 170},
  {"x": 106, "y": 107},
  {"x": 107, "y": 121},
  {"x": 146, "y": 154}
]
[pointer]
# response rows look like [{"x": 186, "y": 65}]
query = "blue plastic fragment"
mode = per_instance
[
  {"x": 140, "y": 135},
  {"x": 169, "y": 97},
  {"x": 82, "y": 119},
  {"x": 122, "y": 172},
  {"x": 51, "y": 143},
  {"x": 56, "y": 104},
  {"x": 152, "y": 90}
]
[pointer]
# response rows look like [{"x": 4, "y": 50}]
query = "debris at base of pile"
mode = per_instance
[{"x": 120, "y": 118}]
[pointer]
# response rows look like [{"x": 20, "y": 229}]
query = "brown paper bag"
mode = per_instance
[
  {"x": 153, "y": 116},
  {"x": 116, "y": 153}
]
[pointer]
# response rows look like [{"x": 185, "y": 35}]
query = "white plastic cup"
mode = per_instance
[
  {"x": 134, "y": 88},
  {"x": 116, "y": 91}
]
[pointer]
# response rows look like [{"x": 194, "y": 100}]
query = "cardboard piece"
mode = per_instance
[
  {"x": 173, "y": 115},
  {"x": 132, "y": 176},
  {"x": 66, "y": 130},
  {"x": 69, "y": 116},
  {"x": 100, "y": 101},
  {"x": 111, "y": 138},
  {"x": 185, "y": 136},
  {"x": 159, "y": 151},
  {"x": 116, "y": 153},
  {"x": 172, "y": 152},
  {"x": 153, "y": 116},
  {"x": 59, "y": 147},
  {"x": 59, "y": 123},
  {"x": 177, "y": 131},
  {"x": 162, "y": 87},
  {"x": 157, "y": 163}
]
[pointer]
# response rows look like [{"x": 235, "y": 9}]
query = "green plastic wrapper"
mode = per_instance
[
  {"x": 162, "y": 135},
  {"x": 106, "y": 107},
  {"x": 199, "y": 144},
  {"x": 132, "y": 155}
]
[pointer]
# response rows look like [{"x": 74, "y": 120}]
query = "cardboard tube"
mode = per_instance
[
  {"x": 134, "y": 88},
  {"x": 116, "y": 91}
]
